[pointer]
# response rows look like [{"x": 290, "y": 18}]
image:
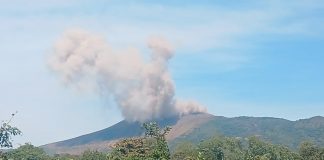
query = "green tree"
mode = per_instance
[
  {"x": 132, "y": 148},
  {"x": 309, "y": 151},
  {"x": 28, "y": 152},
  {"x": 93, "y": 155},
  {"x": 6, "y": 133},
  {"x": 211, "y": 149},
  {"x": 152, "y": 146},
  {"x": 260, "y": 150},
  {"x": 185, "y": 151},
  {"x": 158, "y": 135},
  {"x": 65, "y": 157},
  {"x": 232, "y": 148}
]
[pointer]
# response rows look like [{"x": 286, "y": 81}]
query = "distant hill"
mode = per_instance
[{"x": 195, "y": 127}]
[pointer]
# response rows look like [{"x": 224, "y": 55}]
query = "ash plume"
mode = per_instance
[{"x": 142, "y": 89}]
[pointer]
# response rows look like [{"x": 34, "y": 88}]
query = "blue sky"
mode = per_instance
[{"x": 250, "y": 58}]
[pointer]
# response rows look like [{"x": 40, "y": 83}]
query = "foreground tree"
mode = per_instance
[
  {"x": 309, "y": 151},
  {"x": 220, "y": 148},
  {"x": 260, "y": 150},
  {"x": 227, "y": 148},
  {"x": 93, "y": 155},
  {"x": 185, "y": 150},
  {"x": 132, "y": 148},
  {"x": 158, "y": 136},
  {"x": 27, "y": 152},
  {"x": 6, "y": 133},
  {"x": 65, "y": 157},
  {"x": 152, "y": 146}
]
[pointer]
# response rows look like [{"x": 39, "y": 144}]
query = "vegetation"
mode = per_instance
[
  {"x": 308, "y": 150},
  {"x": 153, "y": 146},
  {"x": 93, "y": 155},
  {"x": 225, "y": 148},
  {"x": 6, "y": 133},
  {"x": 27, "y": 152}
]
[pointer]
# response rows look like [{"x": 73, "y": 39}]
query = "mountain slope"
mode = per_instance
[
  {"x": 275, "y": 130},
  {"x": 102, "y": 140},
  {"x": 195, "y": 127}
]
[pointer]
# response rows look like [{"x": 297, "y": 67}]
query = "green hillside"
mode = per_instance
[{"x": 275, "y": 130}]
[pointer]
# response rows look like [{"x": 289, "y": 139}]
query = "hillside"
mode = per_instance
[
  {"x": 195, "y": 127},
  {"x": 275, "y": 130},
  {"x": 102, "y": 140}
]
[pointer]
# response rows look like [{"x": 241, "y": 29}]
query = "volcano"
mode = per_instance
[
  {"x": 103, "y": 140},
  {"x": 199, "y": 126}
]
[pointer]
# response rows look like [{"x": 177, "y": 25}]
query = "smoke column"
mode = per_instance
[{"x": 142, "y": 89}]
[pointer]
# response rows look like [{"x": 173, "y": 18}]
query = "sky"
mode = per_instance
[{"x": 242, "y": 58}]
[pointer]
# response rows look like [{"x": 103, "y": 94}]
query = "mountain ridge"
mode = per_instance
[{"x": 195, "y": 127}]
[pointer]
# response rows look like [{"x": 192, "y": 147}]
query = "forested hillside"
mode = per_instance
[{"x": 275, "y": 130}]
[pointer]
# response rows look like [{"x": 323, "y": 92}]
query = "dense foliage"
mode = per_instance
[
  {"x": 27, "y": 152},
  {"x": 308, "y": 150},
  {"x": 152, "y": 146},
  {"x": 225, "y": 148}
]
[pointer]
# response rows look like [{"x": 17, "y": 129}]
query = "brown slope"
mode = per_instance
[{"x": 187, "y": 124}]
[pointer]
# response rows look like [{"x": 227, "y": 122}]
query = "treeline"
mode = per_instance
[
  {"x": 253, "y": 148},
  {"x": 153, "y": 146},
  {"x": 216, "y": 148}
]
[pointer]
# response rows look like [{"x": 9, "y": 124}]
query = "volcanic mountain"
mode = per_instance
[{"x": 195, "y": 127}]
